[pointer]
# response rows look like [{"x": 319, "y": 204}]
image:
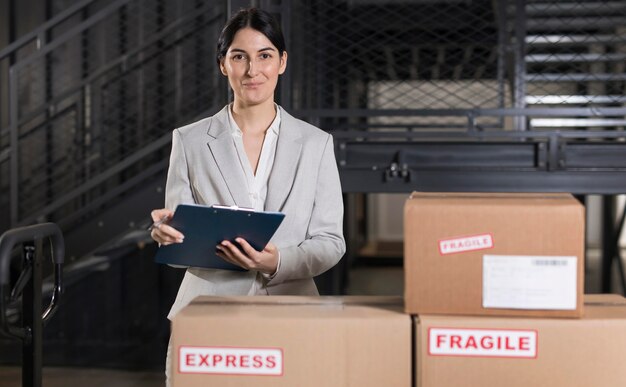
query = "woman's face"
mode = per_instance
[{"x": 252, "y": 65}]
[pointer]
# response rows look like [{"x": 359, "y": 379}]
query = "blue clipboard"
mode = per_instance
[{"x": 205, "y": 227}]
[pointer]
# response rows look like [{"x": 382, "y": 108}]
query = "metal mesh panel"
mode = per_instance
[
  {"x": 398, "y": 55},
  {"x": 455, "y": 55}
]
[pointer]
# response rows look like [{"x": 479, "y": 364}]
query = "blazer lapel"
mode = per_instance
[
  {"x": 285, "y": 165},
  {"x": 223, "y": 150}
]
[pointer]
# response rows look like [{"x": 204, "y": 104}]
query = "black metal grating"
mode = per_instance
[
  {"x": 398, "y": 55},
  {"x": 575, "y": 53},
  {"x": 434, "y": 55}
]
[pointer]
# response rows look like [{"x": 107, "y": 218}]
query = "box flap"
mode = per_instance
[
  {"x": 490, "y": 195},
  {"x": 292, "y": 307}
]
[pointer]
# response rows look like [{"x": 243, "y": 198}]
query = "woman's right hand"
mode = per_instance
[{"x": 163, "y": 233}]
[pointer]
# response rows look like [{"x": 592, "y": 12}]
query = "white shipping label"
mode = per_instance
[
  {"x": 482, "y": 342},
  {"x": 230, "y": 360},
  {"x": 529, "y": 282}
]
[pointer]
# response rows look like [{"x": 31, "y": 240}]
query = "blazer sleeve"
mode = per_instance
[
  {"x": 325, "y": 244},
  {"x": 177, "y": 188}
]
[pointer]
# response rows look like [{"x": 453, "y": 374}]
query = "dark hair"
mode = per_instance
[{"x": 256, "y": 19}]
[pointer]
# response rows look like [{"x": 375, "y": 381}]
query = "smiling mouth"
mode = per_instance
[{"x": 252, "y": 84}]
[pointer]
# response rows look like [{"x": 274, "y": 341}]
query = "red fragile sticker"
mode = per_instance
[
  {"x": 230, "y": 360},
  {"x": 480, "y": 342},
  {"x": 465, "y": 243}
]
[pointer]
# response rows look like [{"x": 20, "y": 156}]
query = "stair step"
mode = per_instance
[
  {"x": 564, "y": 58},
  {"x": 575, "y": 77},
  {"x": 575, "y": 8},
  {"x": 575, "y": 122},
  {"x": 573, "y": 99},
  {"x": 574, "y": 23},
  {"x": 565, "y": 39}
]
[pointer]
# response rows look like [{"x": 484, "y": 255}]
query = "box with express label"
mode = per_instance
[
  {"x": 484, "y": 351},
  {"x": 506, "y": 254},
  {"x": 292, "y": 341}
]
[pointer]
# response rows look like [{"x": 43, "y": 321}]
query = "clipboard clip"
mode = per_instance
[{"x": 233, "y": 207}]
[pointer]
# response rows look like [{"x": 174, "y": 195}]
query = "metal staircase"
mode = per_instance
[
  {"x": 575, "y": 57},
  {"x": 92, "y": 97}
]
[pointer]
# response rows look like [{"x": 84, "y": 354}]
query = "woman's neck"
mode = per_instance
[{"x": 254, "y": 119}]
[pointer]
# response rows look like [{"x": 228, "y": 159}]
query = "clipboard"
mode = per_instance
[{"x": 205, "y": 227}]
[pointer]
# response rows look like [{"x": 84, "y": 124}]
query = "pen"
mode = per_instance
[{"x": 158, "y": 223}]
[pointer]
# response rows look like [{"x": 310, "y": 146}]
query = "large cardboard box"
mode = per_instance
[
  {"x": 494, "y": 254},
  {"x": 292, "y": 341},
  {"x": 457, "y": 351}
]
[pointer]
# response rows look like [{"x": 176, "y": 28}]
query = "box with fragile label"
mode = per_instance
[
  {"x": 508, "y": 254},
  {"x": 454, "y": 351},
  {"x": 292, "y": 341}
]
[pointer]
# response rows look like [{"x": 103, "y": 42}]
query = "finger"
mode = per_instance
[
  {"x": 170, "y": 231},
  {"x": 227, "y": 255},
  {"x": 163, "y": 237},
  {"x": 167, "y": 230},
  {"x": 163, "y": 241},
  {"x": 232, "y": 249},
  {"x": 249, "y": 250},
  {"x": 236, "y": 254},
  {"x": 157, "y": 215},
  {"x": 222, "y": 254},
  {"x": 159, "y": 239},
  {"x": 270, "y": 247}
]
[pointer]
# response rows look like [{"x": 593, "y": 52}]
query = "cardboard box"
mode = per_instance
[
  {"x": 494, "y": 254},
  {"x": 292, "y": 341},
  {"x": 457, "y": 351}
]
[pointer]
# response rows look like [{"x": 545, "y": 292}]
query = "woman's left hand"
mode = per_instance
[{"x": 265, "y": 261}]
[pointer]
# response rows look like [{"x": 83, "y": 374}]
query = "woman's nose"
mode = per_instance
[{"x": 252, "y": 68}]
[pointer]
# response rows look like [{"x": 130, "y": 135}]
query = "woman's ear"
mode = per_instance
[
  {"x": 283, "y": 63},
  {"x": 222, "y": 67}
]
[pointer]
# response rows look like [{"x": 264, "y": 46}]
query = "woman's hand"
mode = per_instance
[
  {"x": 265, "y": 261},
  {"x": 161, "y": 232}
]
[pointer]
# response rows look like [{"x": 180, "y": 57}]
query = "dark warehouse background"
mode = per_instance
[{"x": 454, "y": 95}]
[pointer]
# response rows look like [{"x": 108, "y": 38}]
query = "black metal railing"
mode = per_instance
[{"x": 91, "y": 126}]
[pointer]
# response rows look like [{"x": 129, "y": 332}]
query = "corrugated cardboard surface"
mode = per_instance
[
  {"x": 571, "y": 352},
  {"x": 326, "y": 341},
  {"x": 520, "y": 224}
]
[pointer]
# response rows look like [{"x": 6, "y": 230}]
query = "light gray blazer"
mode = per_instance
[{"x": 304, "y": 184}]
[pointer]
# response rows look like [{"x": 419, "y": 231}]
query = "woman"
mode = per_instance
[{"x": 254, "y": 154}]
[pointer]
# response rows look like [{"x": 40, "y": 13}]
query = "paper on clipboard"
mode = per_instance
[{"x": 205, "y": 227}]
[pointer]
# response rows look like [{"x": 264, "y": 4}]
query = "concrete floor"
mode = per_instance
[{"x": 76, "y": 377}]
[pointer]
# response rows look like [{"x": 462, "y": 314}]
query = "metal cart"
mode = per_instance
[{"x": 29, "y": 287}]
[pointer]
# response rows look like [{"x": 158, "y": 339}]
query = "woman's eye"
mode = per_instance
[
  {"x": 265, "y": 56},
  {"x": 238, "y": 57}
]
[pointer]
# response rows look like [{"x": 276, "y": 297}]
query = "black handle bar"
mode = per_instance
[{"x": 8, "y": 241}]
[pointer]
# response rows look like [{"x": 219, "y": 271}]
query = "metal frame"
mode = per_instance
[
  {"x": 556, "y": 161},
  {"x": 612, "y": 230}
]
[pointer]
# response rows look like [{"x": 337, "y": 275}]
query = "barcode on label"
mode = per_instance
[{"x": 550, "y": 262}]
